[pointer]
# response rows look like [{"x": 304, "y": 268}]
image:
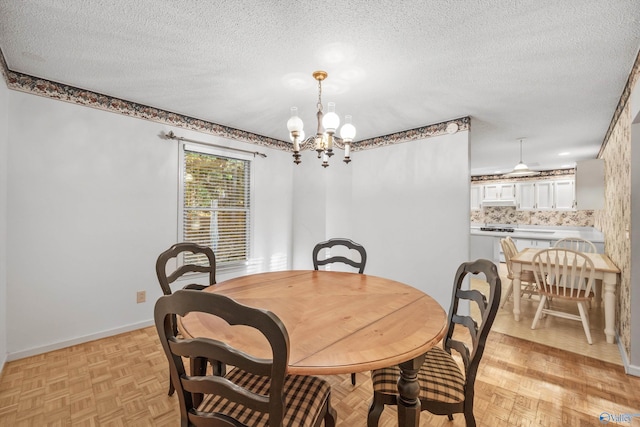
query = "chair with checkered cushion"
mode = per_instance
[
  {"x": 256, "y": 391},
  {"x": 320, "y": 258},
  {"x": 339, "y": 244},
  {"x": 195, "y": 259},
  {"x": 445, "y": 388}
]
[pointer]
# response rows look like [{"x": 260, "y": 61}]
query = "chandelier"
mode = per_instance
[{"x": 324, "y": 140}]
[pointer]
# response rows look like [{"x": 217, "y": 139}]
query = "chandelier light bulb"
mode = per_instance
[
  {"x": 331, "y": 121},
  {"x": 348, "y": 131},
  {"x": 295, "y": 123}
]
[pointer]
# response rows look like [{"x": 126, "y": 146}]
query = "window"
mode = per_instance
[{"x": 216, "y": 209}]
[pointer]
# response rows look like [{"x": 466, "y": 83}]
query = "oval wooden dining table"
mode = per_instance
[{"x": 338, "y": 323}]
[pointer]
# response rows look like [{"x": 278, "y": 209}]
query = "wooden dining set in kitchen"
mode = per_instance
[
  {"x": 571, "y": 272},
  {"x": 252, "y": 350}
]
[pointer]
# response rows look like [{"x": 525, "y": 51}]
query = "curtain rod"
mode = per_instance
[{"x": 172, "y": 135}]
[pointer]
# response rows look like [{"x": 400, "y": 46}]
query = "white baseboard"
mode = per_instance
[
  {"x": 628, "y": 367},
  {"x": 86, "y": 338}
]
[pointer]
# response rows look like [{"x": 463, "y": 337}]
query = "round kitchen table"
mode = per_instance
[{"x": 338, "y": 323}]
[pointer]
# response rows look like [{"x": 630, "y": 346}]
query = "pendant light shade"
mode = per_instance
[{"x": 521, "y": 169}]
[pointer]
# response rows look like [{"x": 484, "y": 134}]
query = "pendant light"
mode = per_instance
[{"x": 521, "y": 169}]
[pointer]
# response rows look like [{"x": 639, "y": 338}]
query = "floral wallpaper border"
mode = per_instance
[
  {"x": 36, "y": 86},
  {"x": 543, "y": 174}
]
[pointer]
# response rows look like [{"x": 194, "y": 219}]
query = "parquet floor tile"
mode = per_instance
[{"x": 123, "y": 380}]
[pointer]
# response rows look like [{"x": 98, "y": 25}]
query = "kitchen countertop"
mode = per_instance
[{"x": 540, "y": 232}]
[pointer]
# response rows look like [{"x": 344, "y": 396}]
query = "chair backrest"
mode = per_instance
[
  {"x": 509, "y": 249},
  {"x": 339, "y": 258},
  {"x": 563, "y": 272},
  {"x": 576, "y": 244},
  {"x": 487, "y": 304},
  {"x": 189, "y": 386},
  {"x": 185, "y": 248}
]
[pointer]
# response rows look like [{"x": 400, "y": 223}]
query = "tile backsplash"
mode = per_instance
[{"x": 509, "y": 215}]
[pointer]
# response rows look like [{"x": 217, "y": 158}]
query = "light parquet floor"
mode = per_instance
[{"x": 122, "y": 381}]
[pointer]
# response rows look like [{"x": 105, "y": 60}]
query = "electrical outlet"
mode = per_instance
[{"x": 141, "y": 296}]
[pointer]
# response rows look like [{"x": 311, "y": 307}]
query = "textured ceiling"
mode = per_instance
[{"x": 547, "y": 70}]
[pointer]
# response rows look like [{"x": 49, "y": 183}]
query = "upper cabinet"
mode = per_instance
[
  {"x": 590, "y": 184},
  {"x": 565, "y": 197},
  {"x": 543, "y": 195},
  {"x": 476, "y": 196},
  {"x": 499, "y": 192},
  {"x": 526, "y": 196}
]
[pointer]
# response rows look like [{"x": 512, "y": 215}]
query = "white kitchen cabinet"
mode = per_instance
[
  {"x": 544, "y": 195},
  {"x": 506, "y": 191},
  {"x": 481, "y": 247},
  {"x": 476, "y": 196},
  {"x": 526, "y": 196},
  {"x": 565, "y": 195},
  {"x": 522, "y": 244},
  {"x": 590, "y": 184}
]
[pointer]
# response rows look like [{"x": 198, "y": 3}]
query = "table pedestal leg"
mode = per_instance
[
  {"x": 609, "y": 307},
  {"x": 409, "y": 390}
]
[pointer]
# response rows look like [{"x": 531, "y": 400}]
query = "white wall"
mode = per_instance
[
  {"x": 411, "y": 209},
  {"x": 407, "y": 204},
  {"x": 4, "y": 124},
  {"x": 322, "y": 208},
  {"x": 92, "y": 201}
]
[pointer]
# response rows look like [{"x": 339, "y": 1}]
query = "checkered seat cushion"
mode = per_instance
[
  {"x": 440, "y": 378},
  {"x": 303, "y": 398}
]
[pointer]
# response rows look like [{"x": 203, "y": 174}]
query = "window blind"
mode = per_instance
[{"x": 216, "y": 206}]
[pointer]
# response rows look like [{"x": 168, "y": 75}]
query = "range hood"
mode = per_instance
[{"x": 499, "y": 202}]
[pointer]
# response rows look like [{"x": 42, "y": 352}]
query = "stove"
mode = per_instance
[{"x": 498, "y": 229}]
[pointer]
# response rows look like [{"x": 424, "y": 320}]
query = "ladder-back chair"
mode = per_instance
[
  {"x": 257, "y": 391},
  {"x": 445, "y": 389},
  {"x": 355, "y": 263},
  {"x": 196, "y": 259}
]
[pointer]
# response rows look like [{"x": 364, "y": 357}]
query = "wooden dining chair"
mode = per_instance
[
  {"x": 196, "y": 259},
  {"x": 527, "y": 281},
  {"x": 576, "y": 244},
  {"x": 257, "y": 391},
  {"x": 339, "y": 243},
  {"x": 563, "y": 275},
  {"x": 586, "y": 246},
  {"x": 446, "y": 389}
]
